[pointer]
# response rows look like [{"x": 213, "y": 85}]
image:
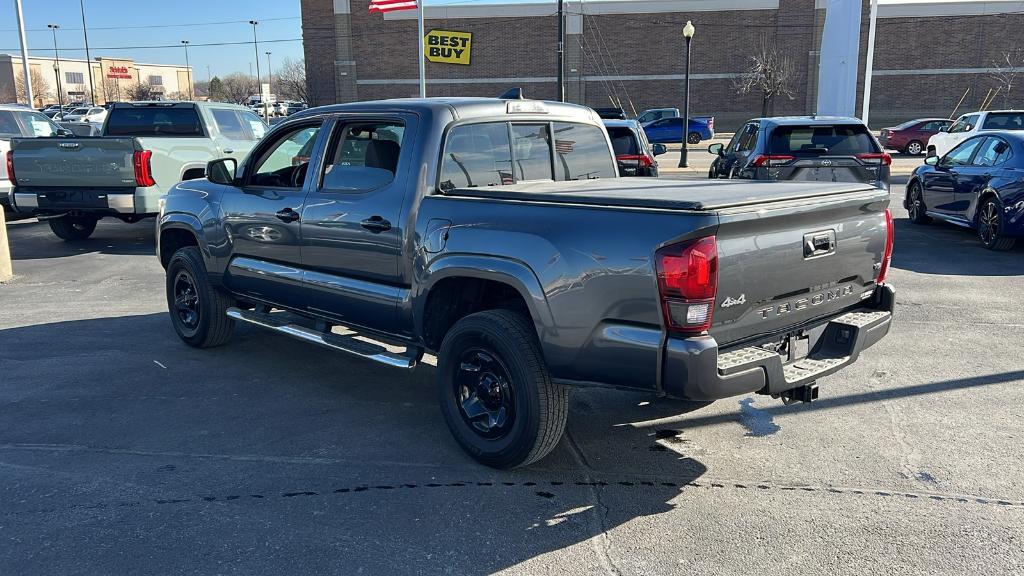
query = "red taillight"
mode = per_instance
[
  {"x": 10, "y": 168},
  {"x": 711, "y": 123},
  {"x": 880, "y": 158},
  {"x": 687, "y": 283},
  {"x": 772, "y": 160},
  {"x": 642, "y": 159},
  {"x": 143, "y": 171},
  {"x": 887, "y": 255}
]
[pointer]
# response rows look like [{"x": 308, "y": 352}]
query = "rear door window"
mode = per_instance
[
  {"x": 838, "y": 140},
  {"x": 993, "y": 152},
  {"x": 581, "y": 152},
  {"x": 476, "y": 155},
  {"x": 154, "y": 121},
  {"x": 531, "y": 152},
  {"x": 1004, "y": 121}
]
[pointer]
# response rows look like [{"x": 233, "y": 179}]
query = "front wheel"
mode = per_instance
[
  {"x": 198, "y": 309},
  {"x": 73, "y": 228},
  {"x": 990, "y": 227},
  {"x": 693, "y": 138},
  {"x": 495, "y": 392}
]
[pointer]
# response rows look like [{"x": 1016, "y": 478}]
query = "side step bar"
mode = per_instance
[{"x": 283, "y": 323}]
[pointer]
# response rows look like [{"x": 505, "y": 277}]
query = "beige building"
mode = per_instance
[{"x": 114, "y": 79}]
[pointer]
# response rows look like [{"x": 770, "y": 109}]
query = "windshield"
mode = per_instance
[
  {"x": 840, "y": 140},
  {"x": 623, "y": 141}
]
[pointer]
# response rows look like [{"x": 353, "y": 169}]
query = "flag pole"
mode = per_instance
[{"x": 422, "y": 56}]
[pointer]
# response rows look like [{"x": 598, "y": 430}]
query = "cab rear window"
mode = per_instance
[
  {"x": 1004, "y": 121},
  {"x": 154, "y": 121},
  {"x": 837, "y": 140}
]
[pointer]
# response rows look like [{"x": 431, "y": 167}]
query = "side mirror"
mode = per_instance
[
  {"x": 63, "y": 132},
  {"x": 716, "y": 149},
  {"x": 944, "y": 129},
  {"x": 222, "y": 171},
  {"x": 932, "y": 160},
  {"x": 659, "y": 149}
]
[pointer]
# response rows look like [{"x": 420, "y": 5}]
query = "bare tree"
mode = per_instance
[
  {"x": 111, "y": 90},
  {"x": 291, "y": 80},
  {"x": 40, "y": 87},
  {"x": 1007, "y": 69},
  {"x": 770, "y": 73},
  {"x": 236, "y": 87},
  {"x": 142, "y": 91}
]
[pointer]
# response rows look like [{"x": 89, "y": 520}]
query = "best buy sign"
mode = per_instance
[{"x": 447, "y": 47}]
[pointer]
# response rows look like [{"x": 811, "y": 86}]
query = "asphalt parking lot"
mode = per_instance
[{"x": 122, "y": 451}]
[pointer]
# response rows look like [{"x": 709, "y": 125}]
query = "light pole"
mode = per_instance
[
  {"x": 88, "y": 59},
  {"x": 256, "y": 47},
  {"x": 188, "y": 69},
  {"x": 56, "y": 65},
  {"x": 270, "y": 74},
  {"x": 688, "y": 31}
]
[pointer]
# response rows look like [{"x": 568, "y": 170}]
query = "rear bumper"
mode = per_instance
[
  {"x": 94, "y": 201},
  {"x": 694, "y": 369}
]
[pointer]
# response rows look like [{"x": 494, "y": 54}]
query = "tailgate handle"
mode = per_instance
[{"x": 820, "y": 243}]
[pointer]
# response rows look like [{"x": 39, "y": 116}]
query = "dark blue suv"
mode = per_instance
[{"x": 807, "y": 148}]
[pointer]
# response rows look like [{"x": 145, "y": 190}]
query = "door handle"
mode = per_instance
[
  {"x": 287, "y": 215},
  {"x": 229, "y": 151},
  {"x": 376, "y": 224}
]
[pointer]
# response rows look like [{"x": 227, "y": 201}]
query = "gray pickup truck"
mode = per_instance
[
  {"x": 144, "y": 148},
  {"x": 495, "y": 234}
]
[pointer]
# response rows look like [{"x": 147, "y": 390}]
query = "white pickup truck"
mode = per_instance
[{"x": 970, "y": 124}]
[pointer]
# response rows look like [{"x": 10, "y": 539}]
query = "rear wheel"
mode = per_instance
[
  {"x": 495, "y": 392},
  {"x": 915, "y": 204},
  {"x": 73, "y": 228},
  {"x": 693, "y": 138},
  {"x": 198, "y": 309},
  {"x": 914, "y": 148},
  {"x": 990, "y": 227}
]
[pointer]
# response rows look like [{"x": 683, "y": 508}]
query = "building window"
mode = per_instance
[
  {"x": 74, "y": 77},
  {"x": 156, "y": 80}
]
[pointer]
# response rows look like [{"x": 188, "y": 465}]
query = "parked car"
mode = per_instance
[
  {"x": 442, "y": 225},
  {"x": 971, "y": 124},
  {"x": 816, "y": 148},
  {"x": 90, "y": 114},
  {"x": 652, "y": 114},
  {"x": 633, "y": 154},
  {"x": 978, "y": 184},
  {"x": 19, "y": 122},
  {"x": 911, "y": 136},
  {"x": 670, "y": 130},
  {"x": 294, "y": 107},
  {"x": 145, "y": 148}
]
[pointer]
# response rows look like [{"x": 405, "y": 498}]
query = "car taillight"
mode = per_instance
[
  {"x": 771, "y": 160},
  {"x": 880, "y": 158},
  {"x": 642, "y": 159},
  {"x": 887, "y": 255},
  {"x": 143, "y": 171},
  {"x": 10, "y": 168},
  {"x": 687, "y": 284},
  {"x": 711, "y": 123}
]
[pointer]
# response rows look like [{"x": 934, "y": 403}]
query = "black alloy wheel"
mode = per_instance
[
  {"x": 186, "y": 301},
  {"x": 198, "y": 309},
  {"x": 990, "y": 227},
  {"x": 915, "y": 204},
  {"x": 483, "y": 391},
  {"x": 693, "y": 138}
]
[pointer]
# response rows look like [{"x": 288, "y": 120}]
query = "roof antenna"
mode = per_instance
[{"x": 512, "y": 94}]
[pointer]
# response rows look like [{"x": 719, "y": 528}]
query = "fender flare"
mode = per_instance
[
  {"x": 187, "y": 222},
  {"x": 500, "y": 269}
]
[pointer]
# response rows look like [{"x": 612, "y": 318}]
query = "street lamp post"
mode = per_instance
[
  {"x": 88, "y": 58},
  {"x": 56, "y": 64},
  {"x": 256, "y": 47},
  {"x": 270, "y": 74},
  {"x": 188, "y": 69},
  {"x": 688, "y": 31}
]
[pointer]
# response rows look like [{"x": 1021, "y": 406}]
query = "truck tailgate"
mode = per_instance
[
  {"x": 786, "y": 264},
  {"x": 74, "y": 162}
]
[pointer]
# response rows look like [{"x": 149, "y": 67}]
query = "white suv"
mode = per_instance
[{"x": 970, "y": 124}]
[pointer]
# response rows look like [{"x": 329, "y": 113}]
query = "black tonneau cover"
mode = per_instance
[{"x": 664, "y": 194}]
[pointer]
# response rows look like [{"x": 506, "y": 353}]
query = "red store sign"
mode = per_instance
[{"x": 118, "y": 72}]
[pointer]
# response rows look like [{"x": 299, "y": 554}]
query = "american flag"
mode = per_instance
[{"x": 391, "y": 5}]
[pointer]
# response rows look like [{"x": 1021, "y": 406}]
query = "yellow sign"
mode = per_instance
[{"x": 447, "y": 47}]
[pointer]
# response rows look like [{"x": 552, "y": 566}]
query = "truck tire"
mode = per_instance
[
  {"x": 495, "y": 391},
  {"x": 198, "y": 309},
  {"x": 73, "y": 228}
]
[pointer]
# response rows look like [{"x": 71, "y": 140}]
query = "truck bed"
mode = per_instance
[{"x": 697, "y": 195}]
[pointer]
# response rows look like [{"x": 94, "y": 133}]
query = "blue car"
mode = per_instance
[
  {"x": 670, "y": 130},
  {"x": 979, "y": 184}
]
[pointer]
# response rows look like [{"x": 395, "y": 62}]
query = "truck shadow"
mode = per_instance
[
  {"x": 939, "y": 248},
  {"x": 32, "y": 240},
  {"x": 139, "y": 403}
]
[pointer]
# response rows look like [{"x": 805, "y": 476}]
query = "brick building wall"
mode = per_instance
[{"x": 636, "y": 59}]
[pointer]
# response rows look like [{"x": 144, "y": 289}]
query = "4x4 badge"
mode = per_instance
[{"x": 730, "y": 301}]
